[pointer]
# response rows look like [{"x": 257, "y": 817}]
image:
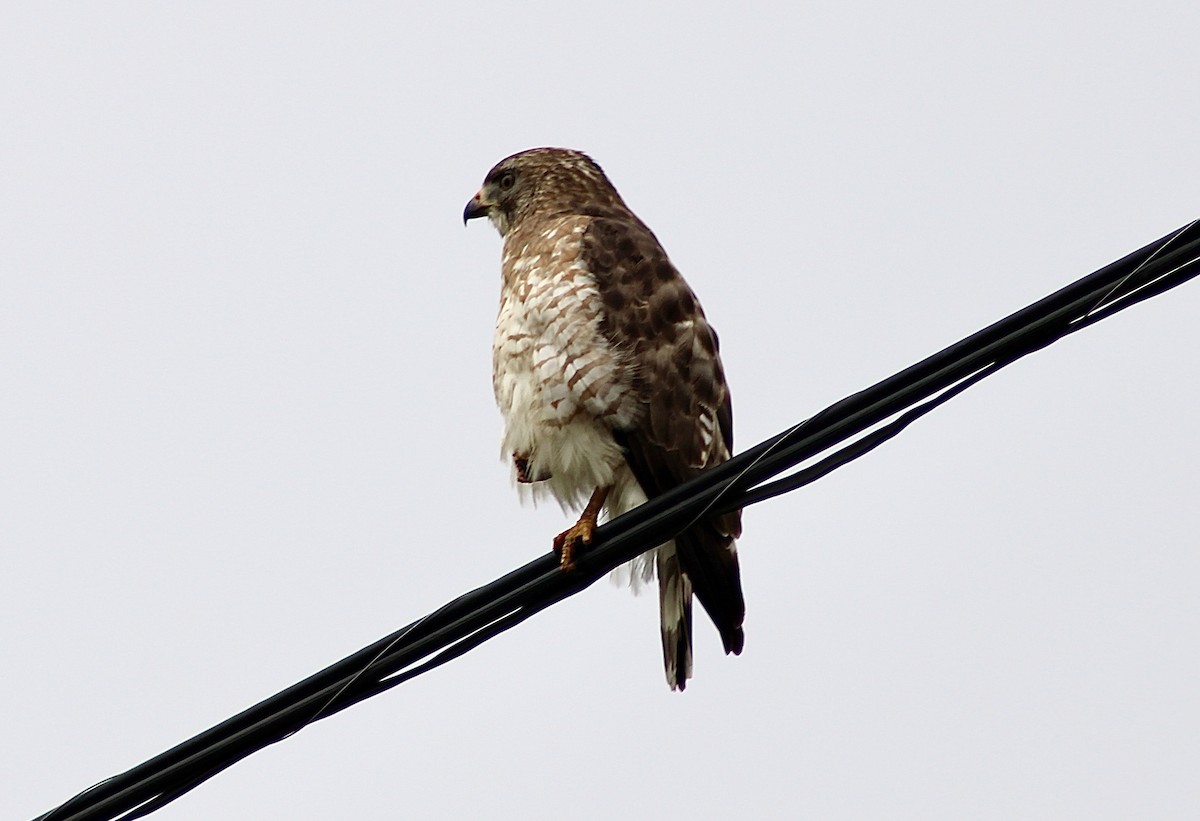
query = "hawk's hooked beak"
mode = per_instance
[{"x": 476, "y": 207}]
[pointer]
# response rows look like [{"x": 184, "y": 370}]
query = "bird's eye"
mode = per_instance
[{"x": 506, "y": 182}]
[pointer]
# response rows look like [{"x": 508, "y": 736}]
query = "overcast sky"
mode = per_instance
[{"x": 246, "y": 423}]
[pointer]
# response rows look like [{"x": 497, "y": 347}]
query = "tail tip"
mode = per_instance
[{"x": 734, "y": 641}]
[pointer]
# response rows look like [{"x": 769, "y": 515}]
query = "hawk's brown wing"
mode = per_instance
[{"x": 687, "y": 423}]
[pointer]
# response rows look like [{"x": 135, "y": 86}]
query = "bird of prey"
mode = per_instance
[{"x": 609, "y": 378}]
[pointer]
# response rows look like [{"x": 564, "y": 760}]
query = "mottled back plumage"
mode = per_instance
[{"x": 608, "y": 374}]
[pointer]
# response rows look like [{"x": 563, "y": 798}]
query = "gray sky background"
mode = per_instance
[{"x": 247, "y": 423}]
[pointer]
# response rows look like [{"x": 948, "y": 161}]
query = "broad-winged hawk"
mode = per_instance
[{"x": 608, "y": 377}]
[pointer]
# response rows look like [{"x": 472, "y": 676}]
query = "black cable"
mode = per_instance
[{"x": 472, "y": 619}]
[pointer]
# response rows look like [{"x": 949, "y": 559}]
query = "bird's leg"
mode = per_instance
[{"x": 581, "y": 531}]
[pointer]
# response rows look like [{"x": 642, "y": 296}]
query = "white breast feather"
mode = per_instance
[{"x": 560, "y": 385}]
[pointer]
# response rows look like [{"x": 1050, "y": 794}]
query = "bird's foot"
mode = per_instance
[
  {"x": 521, "y": 463},
  {"x": 580, "y": 533}
]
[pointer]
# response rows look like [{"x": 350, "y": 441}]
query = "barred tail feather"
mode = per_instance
[{"x": 675, "y": 611}]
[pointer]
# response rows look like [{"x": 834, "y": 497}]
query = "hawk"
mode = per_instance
[{"x": 609, "y": 378}]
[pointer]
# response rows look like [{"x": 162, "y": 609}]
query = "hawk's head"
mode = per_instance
[{"x": 542, "y": 182}]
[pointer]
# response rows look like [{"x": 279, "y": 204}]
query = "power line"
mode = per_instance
[{"x": 873, "y": 415}]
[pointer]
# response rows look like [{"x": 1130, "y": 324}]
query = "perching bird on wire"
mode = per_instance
[{"x": 609, "y": 378}]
